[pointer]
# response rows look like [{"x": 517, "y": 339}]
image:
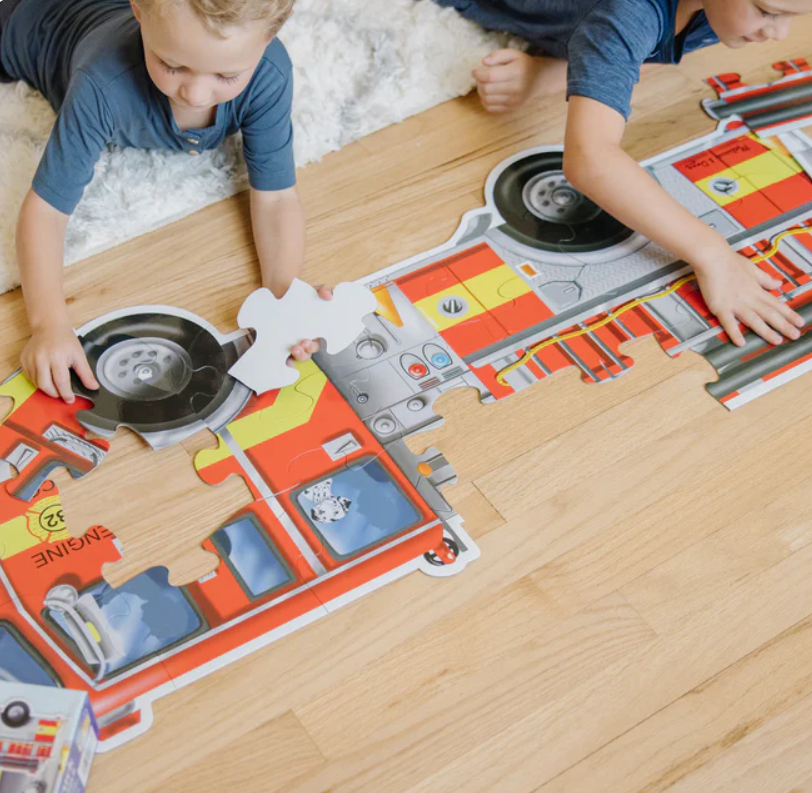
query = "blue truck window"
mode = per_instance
[
  {"x": 247, "y": 551},
  {"x": 20, "y": 663},
  {"x": 356, "y": 508}
]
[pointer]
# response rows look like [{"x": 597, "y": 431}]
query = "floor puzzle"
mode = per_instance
[{"x": 537, "y": 280}]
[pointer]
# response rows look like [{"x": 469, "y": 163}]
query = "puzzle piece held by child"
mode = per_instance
[{"x": 300, "y": 314}]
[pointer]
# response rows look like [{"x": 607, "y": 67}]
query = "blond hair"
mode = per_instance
[{"x": 218, "y": 15}]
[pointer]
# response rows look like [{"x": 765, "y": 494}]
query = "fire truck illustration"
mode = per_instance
[
  {"x": 342, "y": 505},
  {"x": 337, "y": 514},
  {"x": 30, "y": 748}
]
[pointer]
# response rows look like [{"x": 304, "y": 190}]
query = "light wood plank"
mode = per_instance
[
  {"x": 692, "y": 580},
  {"x": 545, "y": 739}
]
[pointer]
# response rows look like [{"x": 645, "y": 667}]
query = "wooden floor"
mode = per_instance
[{"x": 641, "y": 615}]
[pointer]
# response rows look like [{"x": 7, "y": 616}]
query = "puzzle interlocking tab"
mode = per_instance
[{"x": 537, "y": 280}]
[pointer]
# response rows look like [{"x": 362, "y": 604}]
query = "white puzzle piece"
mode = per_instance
[{"x": 301, "y": 314}]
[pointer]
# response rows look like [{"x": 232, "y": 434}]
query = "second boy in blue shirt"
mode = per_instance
[{"x": 593, "y": 50}]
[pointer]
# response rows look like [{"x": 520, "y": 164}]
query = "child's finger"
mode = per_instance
[
  {"x": 28, "y": 371},
  {"x": 731, "y": 327},
  {"x": 767, "y": 281},
  {"x": 773, "y": 304},
  {"x": 61, "y": 377},
  {"x": 774, "y": 316},
  {"x": 324, "y": 292},
  {"x": 498, "y": 74},
  {"x": 85, "y": 373},
  {"x": 43, "y": 379},
  {"x": 759, "y": 326},
  {"x": 501, "y": 57},
  {"x": 498, "y": 99},
  {"x": 497, "y": 89},
  {"x": 793, "y": 316}
]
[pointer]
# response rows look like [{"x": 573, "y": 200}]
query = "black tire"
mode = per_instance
[
  {"x": 16, "y": 714},
  {"x": 435, "y": 560},
  {"x": 203, "y": 387},
  {"x": 591, "y": 229}
]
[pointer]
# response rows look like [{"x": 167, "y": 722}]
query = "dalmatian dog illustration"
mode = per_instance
[{"x": 327, "y": 508}]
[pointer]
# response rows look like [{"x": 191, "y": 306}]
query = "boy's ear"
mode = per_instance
[{"x": 136, "y": 11}]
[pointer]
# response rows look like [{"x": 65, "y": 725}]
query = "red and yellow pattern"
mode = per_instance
[
  {"x": 763, "y": 181},
  {"x": 473, "y": 299},
  {"x": 47, "y": 730}
]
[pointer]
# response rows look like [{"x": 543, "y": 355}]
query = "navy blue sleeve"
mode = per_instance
[
  {"x": 267, "y": 131},
  {"x": 608, "y": 47},
  {"x": 82, "y": 130}
]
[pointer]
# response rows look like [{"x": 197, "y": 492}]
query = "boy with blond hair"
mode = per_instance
[
  {"x": 179, "y": 75},
  {"x": 593, "y": 50}
]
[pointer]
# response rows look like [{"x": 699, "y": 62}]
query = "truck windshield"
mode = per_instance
[
  {"x": 20, "y": 662},
  {"x": 247, "y": 551},
  {"x": 140, "y": 619},
  {"x": 357, "y": 507}
]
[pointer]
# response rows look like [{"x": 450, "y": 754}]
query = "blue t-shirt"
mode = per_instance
[
  {"x": 87, "y": 58},
  {"x": 604, "y": 41}
]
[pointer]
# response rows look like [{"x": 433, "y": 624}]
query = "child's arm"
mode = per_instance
[
  {"x": 733, "y": 287},
  {"x": 278, "y": 221},
  {"x": 53, "y": 348}
]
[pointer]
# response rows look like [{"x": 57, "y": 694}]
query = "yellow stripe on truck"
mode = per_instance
[{"x": 293, "y": 407}]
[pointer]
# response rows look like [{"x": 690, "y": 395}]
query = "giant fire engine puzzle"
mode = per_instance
[{"x": 537, "y": 280}]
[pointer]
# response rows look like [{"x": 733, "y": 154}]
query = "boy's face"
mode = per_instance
[
  {"x": 741, "y": 22},
  {"x": 193, "y": 67}
]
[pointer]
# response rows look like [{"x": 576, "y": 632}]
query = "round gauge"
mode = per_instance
[
  {"x": 384, "y": 425},
  {"x": 370, "y": 349}
]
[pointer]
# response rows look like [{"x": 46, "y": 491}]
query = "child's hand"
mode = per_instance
[
  {"x": 736, "y": 291},
  {"x": 304, "y": 350},
  {"x": 49, "y": 356},
  {"x": 508, "y": 78}
]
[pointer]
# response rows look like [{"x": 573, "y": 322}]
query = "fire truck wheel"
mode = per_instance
[
  {"x": 543, "y": 210},
  {"x": 158, "y": 372},
  {"x": 432, "y": 557},
  {"x": 16, "y": 714},
  {"x": 35, "y": 787}
]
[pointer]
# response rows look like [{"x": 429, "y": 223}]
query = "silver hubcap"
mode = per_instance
[
  {"x": 549, "y": 196},
  {"x": 145, "y": 369}
]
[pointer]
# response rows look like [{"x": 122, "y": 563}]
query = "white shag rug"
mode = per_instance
[{"x": 376, "y": 62}]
